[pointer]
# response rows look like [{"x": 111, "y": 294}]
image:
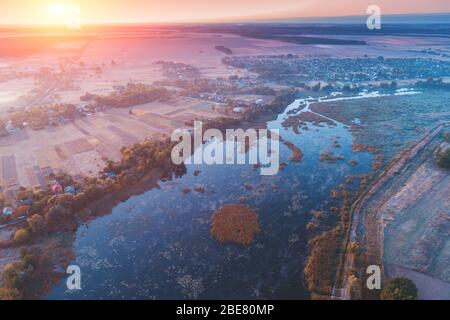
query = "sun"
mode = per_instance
[
  {"x": 57, "y": 9},
  {"x": 61, "y": 13}
]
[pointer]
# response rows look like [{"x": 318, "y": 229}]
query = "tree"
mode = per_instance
[
  {"x": 2, "y": 200},
  {"x": 79, "y": 201},
  {"x": 399, "y": 289},
  {"x": 394, "y": 85}
]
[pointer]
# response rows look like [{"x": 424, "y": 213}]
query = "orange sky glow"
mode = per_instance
[{"x": 158, "y": 11}]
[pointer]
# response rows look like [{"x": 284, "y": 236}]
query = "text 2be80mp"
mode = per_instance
[{"x": 227, "y": 309}]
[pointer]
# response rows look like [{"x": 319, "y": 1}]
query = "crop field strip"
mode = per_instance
[
  {"x": 9, "y": 170},
  {"x": 126, "y": 137}
]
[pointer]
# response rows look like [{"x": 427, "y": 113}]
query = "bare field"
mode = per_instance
[
  {"x": 417, "y": 221},
  {"x": 81, "y": 147}
]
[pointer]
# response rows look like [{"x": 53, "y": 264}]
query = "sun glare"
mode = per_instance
[
  {"x": 57, "y": 9},
  {"x": 60, "y": 13}
]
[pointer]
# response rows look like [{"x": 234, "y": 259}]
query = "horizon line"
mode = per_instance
[{"x": 235, "y": 20}]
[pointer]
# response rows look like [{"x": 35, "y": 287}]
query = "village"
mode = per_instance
[{"x": 294, "y": 70}]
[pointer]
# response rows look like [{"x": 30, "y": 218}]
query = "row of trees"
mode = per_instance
[
  {"x": 3, "y": 132},
  {"x": 231, "y": 85},
  {"x": 432, "y": 83},
  {"x": 133, "y": 94},
  {"x": 139, "y": 158},
  {"x": 328, "y": 245},
  {"x": 277, "y": 105},
  {"x": 40, "y": 117}
]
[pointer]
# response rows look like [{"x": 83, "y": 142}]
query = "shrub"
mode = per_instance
[
  {"x": 311, "y": 226},
  {"x": 447, "y": 136},
  {"x": 21, "y": 236},
  {"x": 17, "y": 275},
  {"x": 59, "y": 218},
  {"x": 10, "y": 294},
  {"x": 355, "y": 248},
  {"x": 36, "y": 223},
  {"x": 399, "y": 289},
  {"x": 235, "y": 223},
  {"x": 444, "y": 159}
]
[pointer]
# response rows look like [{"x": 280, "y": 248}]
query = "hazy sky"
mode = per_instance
[{"x": 135, "y": 11}]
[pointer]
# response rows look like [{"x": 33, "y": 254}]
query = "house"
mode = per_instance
[
  {"x": 7, "y": 211},
  {"x": 70, "y": 190},
  {"x": 10, "y": 127},
  {"x": 21, "y": 211},
  {"x": 56, "y": 187},
  {"x": 26, "y": 201},
  {"x": 111, "y": 174}
]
